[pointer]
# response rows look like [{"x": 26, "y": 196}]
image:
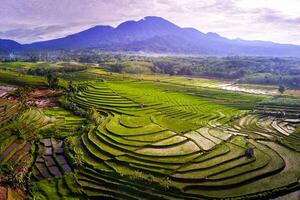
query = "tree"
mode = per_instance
[
  {"x": 22, "y": 93},
  {"x": 12, "y": 175},
  {"x": 18, "y": 132},
  {"x": 72, "y": 87},
  {"x": 94, "y": 116},
  {"x": 281, "y": 89},
  {"x": 52, "y": 80}
]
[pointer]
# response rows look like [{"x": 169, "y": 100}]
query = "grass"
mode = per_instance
[
  {"x": 15, "y": 78},
  {"x": 64, "y": 187},
  {"x": 65, "y": 122},
  {"x": 293, "y": 140}
]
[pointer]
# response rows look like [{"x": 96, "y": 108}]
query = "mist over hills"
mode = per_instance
[{"x": 156, "y": 35}]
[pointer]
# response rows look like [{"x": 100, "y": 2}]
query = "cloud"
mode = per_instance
[
  {"x": 272, "y": 16},
  {"x": 27, "y": 34},
  {"x": 33, "y": 20},
  {"x": 36, "y": 33}
]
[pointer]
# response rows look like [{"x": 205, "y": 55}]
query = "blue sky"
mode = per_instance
[{"x": 33, "y": 20}]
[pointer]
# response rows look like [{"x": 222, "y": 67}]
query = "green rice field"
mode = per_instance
[{"x": 122, "y": 136}]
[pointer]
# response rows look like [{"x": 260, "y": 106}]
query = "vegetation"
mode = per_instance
[
  {"x": 121, "y": 132},
  {"x": 254, "y": 70},
  {"x": 281, "y": 89},
  {"x": 52, "y": 80}
]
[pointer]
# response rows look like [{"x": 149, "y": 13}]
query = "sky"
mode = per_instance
[{"x": 28, "y": 21}]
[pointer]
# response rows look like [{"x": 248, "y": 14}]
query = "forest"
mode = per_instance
[{"x": 255, "y": 70}]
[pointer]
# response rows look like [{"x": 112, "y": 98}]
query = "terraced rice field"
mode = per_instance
[
  {"x": 56, "y": 188},
  {"x": 154, "y": 140},
  {"x": 7, "y": 110},
  {"x": 19, "y": 147},
  {"x": 17, "y": 135},
  {"x": 66, "y": 122},
  {"x": 197, "y": 141},
  {"x": 52, "y": 162}
]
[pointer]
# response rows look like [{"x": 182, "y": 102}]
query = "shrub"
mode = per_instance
[{"x": 52, "y": 80}]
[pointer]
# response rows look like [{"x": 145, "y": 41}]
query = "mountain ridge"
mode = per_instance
[
  {"x": 9, "y": 45},
  {"x": 158, "y": 35}
]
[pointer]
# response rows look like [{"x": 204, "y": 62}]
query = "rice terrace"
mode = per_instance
[
  {"x": 146, "y": 106},
  {"x": 123, "y": 136}
]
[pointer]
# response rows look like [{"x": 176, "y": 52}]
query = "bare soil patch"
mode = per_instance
[
  {"x": 3, "y": 192},
  {"x": 44, "y": 97},
  {"x": 6, "y": 89}
]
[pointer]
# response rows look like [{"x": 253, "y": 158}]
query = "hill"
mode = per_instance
[{"x": 9, "y": 45}]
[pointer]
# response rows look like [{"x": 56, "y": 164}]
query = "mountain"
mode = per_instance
[
  {"x": 157, "y": 35},
  {"x": 9, "y": 45},
  {"x": 85, "y": 39}
]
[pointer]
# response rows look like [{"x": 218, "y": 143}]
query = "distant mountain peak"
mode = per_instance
[
  {"x": 157, "y": 35},
  {"x": 97, "y": 28},
  {"x": 147, "y": 21},
  {"x": 212, "y": 34},
  {"x": 157, "y": 20},
  {"x": 153, "y": 18},
  {"x": 127, "y": 24}
]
